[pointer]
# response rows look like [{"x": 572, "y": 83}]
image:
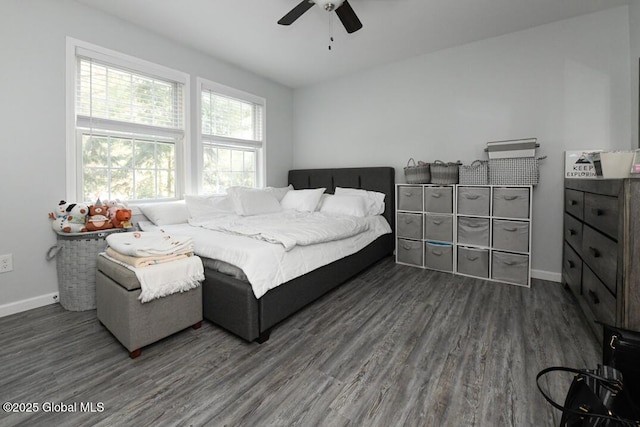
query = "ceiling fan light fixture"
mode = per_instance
[{"x": 329, "y": 5}]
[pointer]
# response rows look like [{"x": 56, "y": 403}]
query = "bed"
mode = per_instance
[{"x": 231, "y": 303}]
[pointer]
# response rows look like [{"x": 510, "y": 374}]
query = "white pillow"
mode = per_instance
[
  {"x": 200, "y": 207},
  {"x": 166, "y": 213},
  {"x": 343, "y": 205},
  {"x": 253, "y": 201},
  {"x": 302, "y": 200},
  {"x": 279, "y": 192},
  {"x": 373, "y": 199}
]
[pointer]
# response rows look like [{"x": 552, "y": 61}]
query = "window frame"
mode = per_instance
[
  {"x": 203, "y": 84},
  {"x": 73, "y": 159}
]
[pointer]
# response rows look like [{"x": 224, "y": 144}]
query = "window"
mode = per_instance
[
  {"x": 231, "y": 136},
  {"x": 129, "y": 128}
]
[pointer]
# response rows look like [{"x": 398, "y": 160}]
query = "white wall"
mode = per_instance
[
  {"x": 32, "y": 107},
  {"x": 566, "y": 83}
]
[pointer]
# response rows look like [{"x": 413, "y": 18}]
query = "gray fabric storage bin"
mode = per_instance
[
  {"x": 410, "y": 198},
  {"x": 473, "y": 261},
  {"x": 511, "y": 235},
  {"x": 512, "y": 268},
  {"x": 511, "y": 202},
  {"x": 409, "y": 225},
  {"x": 438, "y": 256},
  {"x": 438, "y": 199},
  {"x": 474, "y": 200},
  {"x": 410, "y": 252},
  {"x": 438, "y": 227},
  {"x": 473, "y": 231}
]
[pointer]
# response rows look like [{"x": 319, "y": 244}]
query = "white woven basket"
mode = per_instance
[{"x": 515, "y": 171}]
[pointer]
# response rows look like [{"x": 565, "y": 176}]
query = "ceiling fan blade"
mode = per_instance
[
  {"x": 348, "y": 17},
  {"x": 296, "y": 12}
]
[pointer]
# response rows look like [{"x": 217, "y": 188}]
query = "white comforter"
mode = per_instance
[
  {"x": 289, "y": 228},
  {"x": 268, "y": 265}
]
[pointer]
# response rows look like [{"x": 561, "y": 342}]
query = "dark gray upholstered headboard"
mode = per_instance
[{"x": 381, "y": 179}]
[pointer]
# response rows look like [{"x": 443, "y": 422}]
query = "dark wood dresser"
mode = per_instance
[{"x": 601, "y": 252}]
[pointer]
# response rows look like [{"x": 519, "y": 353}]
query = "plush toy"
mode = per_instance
[
  {"x": 59, "y": 215},
  {"x": 97, "y": 219},
  {"x": 75, "y": 222},
  {"x": 112, "y": 207},
  {"x": 122, "y": 219}
]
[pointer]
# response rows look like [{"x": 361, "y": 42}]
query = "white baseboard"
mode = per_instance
[
  {"x": 28, "y": 304},
  {"x": 546, "y": 275}
]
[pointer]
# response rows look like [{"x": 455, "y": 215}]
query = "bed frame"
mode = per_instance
[{"x": 231, "y": 304}]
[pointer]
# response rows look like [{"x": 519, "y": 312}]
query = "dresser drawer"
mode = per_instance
[
  {"x": 474, "y": 262},
  {"x": 474, "y": 200},
  {"x": 601, "y": 254},
  {"x": 598, "y": 297},
  {"x": 410, "y": 198},
  {"x": 573, "y": 232},
  {"x": 409, "y": 225},
  {"x": 473, "y": 231},
  {"x": 438, "y": 256},
  {"x": 574, "y": 202},
  {"x": 601, "y": 212},
  {"x": 438, "y": 199},
  {"x": 410, "y": 252},
  {"x": 512, "y": 268},
  {"x": 572, "y": 269},
  {"x": 438, "y": 227},
  {"x": 511, "y": 202}
]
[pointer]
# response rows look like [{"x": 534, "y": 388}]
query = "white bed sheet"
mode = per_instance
[{"x": 268, "y": 265}]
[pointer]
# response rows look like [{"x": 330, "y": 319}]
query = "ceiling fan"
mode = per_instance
[{"x": 342, "y": 8}]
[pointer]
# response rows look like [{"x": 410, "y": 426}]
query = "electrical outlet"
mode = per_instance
[{"x": 6, "y": 263}]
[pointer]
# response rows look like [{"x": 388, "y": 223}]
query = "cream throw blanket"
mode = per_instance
[
  {"x": 146, "y": 261},
  {"x": 149, "y": 243},
  {"x": 168, "y": 278}
]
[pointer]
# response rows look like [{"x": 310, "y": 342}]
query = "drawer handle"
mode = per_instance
[
  {"x": 509, "y": 263},
  {"x": 408, "y": 220},
  {"x": 571, "y": 264},
  {"x": 598, "y": 212},
  {"x": 471, "y": 225},
  {"x": 510, "y": 197},
  {"x": 571, "y": 232},
  {"x": 436, "y": 195},
  {"x": 472, "y": 258},
  {"x": 407, "y": 247},
  {"x": 595, "y": 252},
  {"x": 573, "y": 202},
  {"x": 472, "y": 196},
  {"x": 436, "y": 253},
  {"x": 437, "y": 222},
  {"x": 594, "y": 297},
  {"x": 510, "y": 229},
  {"x": 408, "y": 194}
]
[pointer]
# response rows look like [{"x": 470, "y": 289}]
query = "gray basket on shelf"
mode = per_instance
[
  {"x": 417, "y": 174},
  {"x": 477, "y": 173},
  {"x": 444, "y": 173},
  {"x": 515, "y": 171},
  {"x": 76, "y": 255}
]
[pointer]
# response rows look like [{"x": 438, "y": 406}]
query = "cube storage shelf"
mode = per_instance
[{"x": 482, "y": 231}]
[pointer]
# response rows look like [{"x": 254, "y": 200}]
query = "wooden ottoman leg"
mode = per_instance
[
  {"x": 135, "y": 353},
  {"x": 197, "y": 325}
]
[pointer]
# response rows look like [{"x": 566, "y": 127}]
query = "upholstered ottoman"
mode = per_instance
[{"x": 133, "y": 323}]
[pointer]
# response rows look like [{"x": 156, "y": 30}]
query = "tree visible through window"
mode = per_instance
[
  {"x": 129, "y": 126},
  {"x": 232, "y": 139}
]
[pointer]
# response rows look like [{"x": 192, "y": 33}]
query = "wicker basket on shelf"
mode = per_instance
[
  {"x": 444, "y": 173},
  {"x": 417, "y": 173},
  {"x": 477, "y": 173}
]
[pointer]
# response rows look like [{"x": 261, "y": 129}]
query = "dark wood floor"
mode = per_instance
[{"x": 395, "y": 346}]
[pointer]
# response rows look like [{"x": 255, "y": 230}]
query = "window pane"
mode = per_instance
[
  {"x": 128, "y": 168},
  {"x": 230, "y": 117}
]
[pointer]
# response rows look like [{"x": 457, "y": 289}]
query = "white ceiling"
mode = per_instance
[{"x": 245, "y": 32}]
